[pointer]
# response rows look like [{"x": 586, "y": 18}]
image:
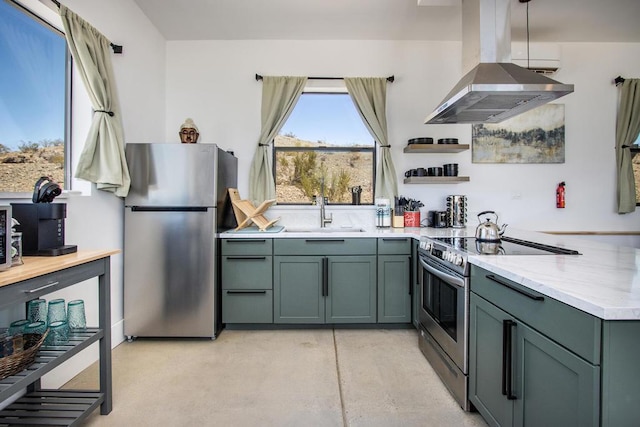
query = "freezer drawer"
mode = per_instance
[{"x": 170, "y": 273}]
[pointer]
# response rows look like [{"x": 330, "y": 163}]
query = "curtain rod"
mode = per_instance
[
  {"x": 389, "y": 79},
  {"x": 116, "y": 47},
  {"x": 618, "y": 80}
]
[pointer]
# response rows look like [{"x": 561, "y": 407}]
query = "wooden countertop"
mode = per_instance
[{"x": 35, "y": 266}]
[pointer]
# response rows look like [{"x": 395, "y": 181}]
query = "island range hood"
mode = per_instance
[{"x": 495, "y": 89}]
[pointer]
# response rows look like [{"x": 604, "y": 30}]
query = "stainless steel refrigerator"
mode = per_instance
[{"x": 177, "y": 203}]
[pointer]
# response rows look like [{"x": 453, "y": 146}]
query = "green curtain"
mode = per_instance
[
  {"x": 627, "y": 129},
  {"x": 279, "y": 96},
  {"x": 102, "y": 160},
  {"x": 369, "y": 94}
]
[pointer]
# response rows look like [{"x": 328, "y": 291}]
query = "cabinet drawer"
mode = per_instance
[
  {"x": 247, "y": 306},
  {"x": 574, "y": 329},
  {"x": 247, "y": 272},
  {"x": 324, "y": 246},
  {"x": 29, "y": 289},
  {"x": 247, "y": 246},
  {"x": 394, "y": 246}
]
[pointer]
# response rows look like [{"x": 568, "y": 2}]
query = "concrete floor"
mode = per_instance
[{"x": 278, "y": 378}]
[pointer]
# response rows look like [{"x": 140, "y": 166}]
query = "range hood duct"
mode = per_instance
[{"x": 495, "y": 89}]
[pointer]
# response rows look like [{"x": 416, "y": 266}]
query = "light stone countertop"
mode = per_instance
[{"x": 603, "y": 281}]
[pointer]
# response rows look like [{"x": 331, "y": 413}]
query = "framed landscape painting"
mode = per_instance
[{"x": 536, "y": 136}]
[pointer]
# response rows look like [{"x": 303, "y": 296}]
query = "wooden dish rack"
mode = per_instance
[{"x": 246, "y": 213}]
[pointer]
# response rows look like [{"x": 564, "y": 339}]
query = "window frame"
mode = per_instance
[
  {"x": 635, "y": 151},
  {"x": 345, "y": 149},
  {"x": 23, "y": 7}
]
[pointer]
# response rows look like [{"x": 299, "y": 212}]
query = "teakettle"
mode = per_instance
[{"x": 489, "y": 231}]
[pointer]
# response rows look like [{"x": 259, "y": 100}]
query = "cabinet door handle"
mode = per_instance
[
  {"x": 507, "y": 359},
  {"x": 246, "y": 240},
  {"x": 513, "y": 288},
  {"x": 394, "y": 239},
  {"x": 325, "y": 277},
  {"x": 245, "y": 292},
  {"x": 30, "y": 291},
  {"x": 410, "y": 274},
  {"x": 244, "y": 258},
  {"x": 324, "y": 240}
]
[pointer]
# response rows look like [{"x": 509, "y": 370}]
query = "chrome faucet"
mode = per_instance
[{"x": 323, "y": 219}]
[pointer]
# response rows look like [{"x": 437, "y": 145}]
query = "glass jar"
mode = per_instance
[{"x": 16, "y": 248}]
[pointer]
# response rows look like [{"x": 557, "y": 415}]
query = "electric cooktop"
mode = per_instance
[{"x": 506, "y": 246}]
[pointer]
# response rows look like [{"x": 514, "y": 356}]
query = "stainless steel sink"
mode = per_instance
[{"x": 324, "y": 230}]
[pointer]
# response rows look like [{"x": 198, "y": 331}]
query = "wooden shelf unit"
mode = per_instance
[
  {"x": 435, "y": 148},
  {"x": 436, "y": 179}
]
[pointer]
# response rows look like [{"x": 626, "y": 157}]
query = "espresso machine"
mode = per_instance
[
  {"x": 42, "y": 222},
  {"x": 42, "y": 226}
]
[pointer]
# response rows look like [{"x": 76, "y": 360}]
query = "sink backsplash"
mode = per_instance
[{"x": 309, "y": 216}]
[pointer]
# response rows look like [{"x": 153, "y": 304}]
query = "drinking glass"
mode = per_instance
[
  {"x": 58, "y": 333},
  {"x": 17, "y": 327},
  {"x": 56, "y": 311},
  {"x": 76, "y": 317},
  {"x": 38, "y": 327},
  {"x": 37, "y": 310}
]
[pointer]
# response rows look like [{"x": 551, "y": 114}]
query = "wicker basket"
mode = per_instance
[{"x": 11, "y": 365}]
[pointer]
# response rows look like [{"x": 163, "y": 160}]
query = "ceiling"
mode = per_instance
[{"x": 549, "y": 20}]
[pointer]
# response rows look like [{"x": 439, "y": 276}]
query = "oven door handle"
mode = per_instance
[{"x": 449, "y": 278}]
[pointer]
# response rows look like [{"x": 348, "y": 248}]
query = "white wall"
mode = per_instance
[
  {"x": 95, "y": 219},
  {"x": 213, "y": 82}
]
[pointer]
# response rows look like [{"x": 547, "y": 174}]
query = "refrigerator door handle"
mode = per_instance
[{"x": 169, "y": 209}]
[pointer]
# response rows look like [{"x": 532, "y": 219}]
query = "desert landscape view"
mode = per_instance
[
  {"x": 21, "y": 169},
  {"x": 298, "y": 173}
]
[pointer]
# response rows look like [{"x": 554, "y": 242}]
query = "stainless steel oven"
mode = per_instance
[{"x": 444, "y": 319}]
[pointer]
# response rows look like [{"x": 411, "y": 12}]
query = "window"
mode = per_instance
[
  {"x": 635, "y": 163},
  {"x": 324, "y": 139},
  {"x": 34, "y": 90}
]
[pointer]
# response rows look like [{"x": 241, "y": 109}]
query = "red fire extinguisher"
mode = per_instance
[{"x": 560, "y": 195}]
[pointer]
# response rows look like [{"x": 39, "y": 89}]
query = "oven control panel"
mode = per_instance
[
  {"x": 453, "y": 258},
  {"x": 442, "y": 252}
]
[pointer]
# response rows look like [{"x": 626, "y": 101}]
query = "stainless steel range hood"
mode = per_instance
[{"x": 493, "y": 90}]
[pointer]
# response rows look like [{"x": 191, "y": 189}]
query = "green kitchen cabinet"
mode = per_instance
[
  {"x": 518, "y": 375},
  {"x": 247, "y": 280},
  {"x": 351, "y": 289},
  {"x": 324, "y": 289},
  {"x": 298, "y": 289},
  {"x": 394, "y": 280},
  {"x": 620, "y": 373},
  {"x": 333, "y": 281},
  {"x": 486, "y": 371},
  {"x": 394, "y": 289}
]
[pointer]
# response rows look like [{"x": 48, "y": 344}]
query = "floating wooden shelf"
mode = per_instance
[
  {"x": 435, "y": 179},
  {"x": 435, "y": 148}
]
